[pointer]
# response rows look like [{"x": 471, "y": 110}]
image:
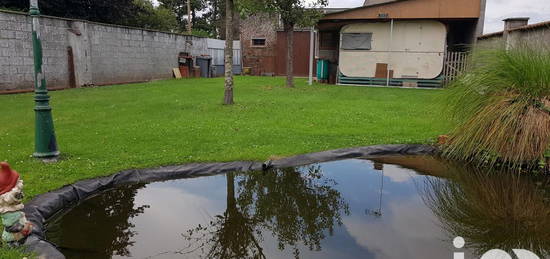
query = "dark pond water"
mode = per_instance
[{"x": 396, "y": 207}]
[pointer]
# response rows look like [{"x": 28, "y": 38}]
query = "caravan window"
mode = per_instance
[{"x": 361, "y": 41}]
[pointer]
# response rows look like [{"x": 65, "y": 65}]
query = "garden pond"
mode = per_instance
[{"x": 388, "y": 207}]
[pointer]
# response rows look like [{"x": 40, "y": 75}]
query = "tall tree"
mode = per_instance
[
  {"x": 156, "y": 18},
  {"x": 293, "y": 13},
  {"x": 215, "y": 16},
  {"x": 228, "y": 95},
  {"x": 137, "y": 13},
  {"x": 179, "y": 7}
]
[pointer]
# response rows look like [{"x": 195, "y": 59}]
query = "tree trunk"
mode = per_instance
[
  {"x": 289, "y": 28},
  {"x": 189, "y": 18},
  {"x": 228, "y": 96},
  {"x": 231, "y": 201}
]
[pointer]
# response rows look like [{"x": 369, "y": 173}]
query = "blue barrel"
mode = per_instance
[{"x": 322, "y": 69}]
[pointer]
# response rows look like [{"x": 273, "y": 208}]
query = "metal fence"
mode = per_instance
[{"x": 216, "y": 51}]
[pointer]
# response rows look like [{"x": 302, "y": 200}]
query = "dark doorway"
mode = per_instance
[{"x": 72, "y": 75}]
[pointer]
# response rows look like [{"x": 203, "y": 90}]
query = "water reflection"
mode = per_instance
[
  {"x": 492, "y": 210},
  {"x": 397, "y": 207},
  {"x": 297, "y": 208},
  {"x": 113, "y": 211},
  {"x": 378, "y": 212}
]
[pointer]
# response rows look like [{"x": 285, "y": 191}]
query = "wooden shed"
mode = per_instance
[{"x": 399, "y": 42}]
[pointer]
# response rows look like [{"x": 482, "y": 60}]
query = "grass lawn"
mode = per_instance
[
  {"x": 105, "y": 130},
  {"x": 108, "y": 129}
]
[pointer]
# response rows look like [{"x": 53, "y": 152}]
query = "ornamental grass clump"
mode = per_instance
[{"x": 502, "y": 107}]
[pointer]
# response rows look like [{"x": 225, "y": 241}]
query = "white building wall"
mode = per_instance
[{"x": 416, "y": 49}]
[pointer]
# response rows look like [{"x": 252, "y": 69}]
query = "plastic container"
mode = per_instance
[
  {"x": 322, "y": 69},
  {"x": 204, "y": 63}
]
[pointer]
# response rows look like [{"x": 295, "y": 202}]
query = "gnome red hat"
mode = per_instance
[{"x": 8, "y": 178}]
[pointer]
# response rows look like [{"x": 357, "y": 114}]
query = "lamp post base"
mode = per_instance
[{"x": 50, "y": 155}]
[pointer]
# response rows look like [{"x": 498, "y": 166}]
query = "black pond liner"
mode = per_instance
[{"x": 43, "y": 207}]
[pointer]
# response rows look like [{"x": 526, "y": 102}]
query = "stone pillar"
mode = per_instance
[
  {"x": 82, "y": 52},
  {"x": 509, "y": 25}
]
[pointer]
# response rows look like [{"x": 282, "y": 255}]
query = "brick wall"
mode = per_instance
[
  {"x": 102, "y": 54},
  {"x": 260, "y": 59},
  {"x": 16, "y": 60}
]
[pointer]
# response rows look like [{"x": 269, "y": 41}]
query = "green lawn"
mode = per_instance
[{"x": 108, "y": 129}]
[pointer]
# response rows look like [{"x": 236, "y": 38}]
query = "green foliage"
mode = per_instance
[
  {"x": 15, "y": 5},
  {"x": 179, "y": 9},
  {"x": 170, "y": 15},
  {"x": 105, "y": 130},
  {"x": 156, "y": 18},
  {"x": 501, "y": 107},
  {"x": 123, "y": 12},
  {"x": 14, "y": 253},
  {"x": 213, "y": 19},
  {"x": 114, "y": 12},
  {"x": 292, "y": 12},
  {"x": 14, "y": 9},
  {"x": 201, "y": 33}
]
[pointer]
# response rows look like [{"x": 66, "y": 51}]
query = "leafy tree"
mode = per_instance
[
  {"x": 157, "y": 18},
  {"x": 214, "y": 16},
  {"x": 293, "y": 13},
  {"x": 114, "y": 12},
  {"x": 179, "y": 8},
  {"x": 14, "y": 5},
  {"x": 122, "y": 12}
]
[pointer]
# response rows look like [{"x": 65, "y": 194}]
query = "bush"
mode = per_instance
[{"x": 502, "y": 107}]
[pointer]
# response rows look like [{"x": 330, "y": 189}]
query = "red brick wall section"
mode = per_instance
[{"x": 260, "y": 59}]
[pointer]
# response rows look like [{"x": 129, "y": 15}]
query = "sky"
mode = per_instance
[{"x": 497, "y": 10}]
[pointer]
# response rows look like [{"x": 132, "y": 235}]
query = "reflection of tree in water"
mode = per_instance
[
  {"x": 108, "y": 225},
  {"x": 231, "y": 235},
  {"x": 493, "y": 210},
  {"x": 298, "y": 208}
]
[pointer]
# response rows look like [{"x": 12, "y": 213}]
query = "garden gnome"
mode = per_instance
[{"x": 16, "y": 225}]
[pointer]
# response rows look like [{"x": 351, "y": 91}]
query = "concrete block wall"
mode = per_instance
[
  {"x": 102, "y": 54},
  {"x": 536, "y": 35},
  {"x": 16, "y": 58}
]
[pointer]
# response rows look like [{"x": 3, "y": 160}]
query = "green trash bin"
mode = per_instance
[{"x": 322, "y": 69}]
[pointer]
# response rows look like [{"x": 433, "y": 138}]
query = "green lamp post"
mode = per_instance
[{"x": 45, "y": 142}]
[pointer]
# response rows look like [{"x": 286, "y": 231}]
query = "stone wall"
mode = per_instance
[
  {"x": 101, "y": 54},
  {"x": 534, "y": 35}
]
